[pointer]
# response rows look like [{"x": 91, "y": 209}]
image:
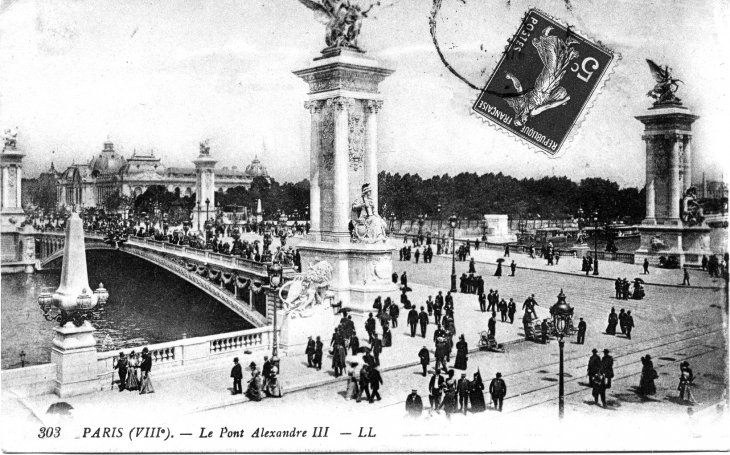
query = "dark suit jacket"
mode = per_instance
[
  {"x": 146, "y": 365},
  {"x": 423, "y": 318},
  {"x": 375, "y": 379},
  {"x": 424, "y": 355},
  {"x": 236, "y": 372},
  {"x": 413, "y": 317}
]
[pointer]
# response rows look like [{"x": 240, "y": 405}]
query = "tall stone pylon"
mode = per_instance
[
  {"x": 74, "y": 348},
  {"x": 344, "y": 103},
  {"x": 205, "y": 183}
]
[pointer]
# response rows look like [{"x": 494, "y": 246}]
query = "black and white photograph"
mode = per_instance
[{"x": 271, "y": 226}]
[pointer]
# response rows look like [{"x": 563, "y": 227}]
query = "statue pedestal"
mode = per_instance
[
  {"x": 688, "y": 244},
  {"x": 295, "y": 332},
  {"x": 74, "y": 354},
  {"x": 362, "y": 272},
  {"x": 581, "y": 249}
]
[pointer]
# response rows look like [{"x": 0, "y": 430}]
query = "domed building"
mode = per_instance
[
  {"x": 256, "y": 169},
  {"x": 110, "y": 173}
]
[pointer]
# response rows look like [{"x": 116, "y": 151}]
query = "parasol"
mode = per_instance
[
  {"x": 60, "y": 408},
  {"x": 639, "y": 280},
  {"x": 500, "y": 260},
  {"x": 363, "y": 349}
]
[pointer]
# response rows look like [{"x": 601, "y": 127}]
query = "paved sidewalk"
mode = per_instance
[{"x": 210, "y": 389}]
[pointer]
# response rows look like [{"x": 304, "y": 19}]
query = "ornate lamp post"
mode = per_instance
[
  {"x": 165, "y": 223},
  {"x": 420, "y": 224},
  {"x": 22, "y": 359},
  {"x": 595, "y": 242},
  {"x": 392, "y": 221},
  {"x": 438, "y": 214},
  {"x": 452, "y": 223},
  {"x": 199, "y": 216},
  {"x": 275, "y": 272},
  {"x": 207, "y": 208},
  {"x": 562, "y": 313}
]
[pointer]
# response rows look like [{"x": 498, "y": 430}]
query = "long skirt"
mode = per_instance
[
  {"x": 450, "y": 403},
  {"x": 646, "y": 385},
  {"x": 611, "y": 328},
  {"x": 352, "y": 389},
  {"x": 460, "y": 362},
  {"x": 132, "y": 381},
  {"x": 146, "y": 384},
  {"x": 477, "y": 401}
]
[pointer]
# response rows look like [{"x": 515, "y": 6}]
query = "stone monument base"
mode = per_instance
[
  {"x": 362, "y": 272},
  {"x": 295, "y": 332},
  {"x": 581, "y": 250},
  {"x": 687, "y": 244},
  {"x": 74, "y": 354}
]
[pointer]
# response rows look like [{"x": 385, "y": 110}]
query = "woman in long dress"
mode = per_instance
[
  {"x": 273, "y": 385},
  {"x": 499, "y": 269},
  {"x": 476, "y": 394},
  {"x": 255, "y": 387},
  {"x": 145, "y": 385},
  {"x": 387, "y": 337},
  {"x": 461, "y": 350},
  {"x": 353, "y": 376},
  {"x": 132, "y": 365},
  {"x": 450, "y": 404},
  {"x": 648, "y": 374},
  {"x": 685, "y": 383},
  {"x": 612, "y": 322}
]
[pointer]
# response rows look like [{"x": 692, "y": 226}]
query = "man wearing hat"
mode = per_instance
[
  {"x": 498, "y": 390},
  {"x": 462, "y": 388},
  {"x": 237, "y": 375},
  {"x": 414, "y": 404},
  {"x": 594, "y": 366},
  {"x": 582, "y": 327},
  {"x": 435, "y": 388},
  {"x": 629, "y": 324},
  {"x": 413, "y": 321},
  {"x": 122, "y": 367},
  {"x": 425, "y": 358},
  {"x": 607, "y": 368},
  {"x": 310, "y": 351}
]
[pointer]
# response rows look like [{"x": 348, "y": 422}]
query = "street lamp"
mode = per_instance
[
  {"x": 275, "y": 272},
  {"x": 452, "y": 223},
  {"x": 199, "y": 216},
  {"x": 562, "y": 314},
  {"x": 595, "y": 242},
  {"x": 207, "y": 207},
  {"x": 392, "y": 222}
]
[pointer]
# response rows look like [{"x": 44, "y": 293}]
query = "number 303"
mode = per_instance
[{"x": 49, "y": 432}]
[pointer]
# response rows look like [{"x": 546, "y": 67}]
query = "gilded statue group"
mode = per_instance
[{"x": 343, "y": 19}]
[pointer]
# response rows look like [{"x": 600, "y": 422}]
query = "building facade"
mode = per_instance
[{"x": 109, "y": 173}]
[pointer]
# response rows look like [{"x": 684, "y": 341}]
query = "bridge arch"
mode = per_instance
[{"x": 177, "y": 268}]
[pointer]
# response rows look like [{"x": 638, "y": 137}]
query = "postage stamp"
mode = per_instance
[{"x": 545, "y": 82}]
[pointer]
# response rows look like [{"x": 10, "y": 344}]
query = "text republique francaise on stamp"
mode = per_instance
[{"x": 546, "y": 79}]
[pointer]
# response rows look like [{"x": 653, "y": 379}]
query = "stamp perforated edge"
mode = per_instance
[{"x": 587, "y": 105}]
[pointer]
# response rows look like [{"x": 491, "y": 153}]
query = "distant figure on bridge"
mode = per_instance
[{"x": 237, "y": 375}]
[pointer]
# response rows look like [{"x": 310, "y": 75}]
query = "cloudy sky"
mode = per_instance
[{"x": 165, "y": 75}]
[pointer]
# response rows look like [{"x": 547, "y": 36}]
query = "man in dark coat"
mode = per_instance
[
  {"x": 122, "y": 367},
  {"x": 395, "y": 274},
  {"x": 376, "y": 380},
  {"x": 492, "y": 325},
  {"x": 370, "y": 326},
  {"x": 511, "y": 310},
  {"x": 607, "y": 368},
  {"x": 629, "y": 324},
  {"x": 404, "y": 279},
  {"x": 483, "y": 302},
  {"x": 498, "y": 390},
  {"x": 425, "y": 358},
  {"x": 622, "y": 320},
  {"x": 472, "y": 266},
  {"x": 449, "y": 300},
  {"x": 512, "y": 268},
  {"x": 438, "y": 307},
  {"x": 394, "y": 313},
  {"x": 354, "y": 343},
  {"x": 417, "y": 254},
  {"x": 581, "y": 339},
  {"x": 318, "y": 346},
  {"x": 364, "y": 382},
  {"x": 544, "y": 330},
  {"x": 237, "y": 375},
  {"x": 429, "y": 306},
  {"x": 414, "y": 404},
  {"x": 502, "y": 306},
  {"x": 423, "y": 320},
  {"x": 376, "y": 345},
  {"x": 413, "y": 321},
  {"x": 594, "y": 366},
  {"x": 462, "y": 388},
  {"x": 598, "y": 384},
  {"x": 310, "y": 351},
  {"x": 618, "y": 284},
  {"x": 266, "y": 369},
  {"x": 435, "y": 389}
]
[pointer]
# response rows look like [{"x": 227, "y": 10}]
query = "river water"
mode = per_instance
[{"x": 147, "y": 304}]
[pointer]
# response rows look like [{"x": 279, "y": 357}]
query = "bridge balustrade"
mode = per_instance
[{"x": 172, "y": 358}]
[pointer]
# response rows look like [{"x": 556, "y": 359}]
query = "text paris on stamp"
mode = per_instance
[{"x": 546, "y": 80}]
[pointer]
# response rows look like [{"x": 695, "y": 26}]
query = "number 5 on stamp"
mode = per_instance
[{"x": 546, "y": 79}]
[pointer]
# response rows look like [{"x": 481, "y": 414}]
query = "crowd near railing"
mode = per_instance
[{"x": 171, "y": 357}]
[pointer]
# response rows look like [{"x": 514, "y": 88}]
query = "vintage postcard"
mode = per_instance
[{"x": 363, "y": 226}]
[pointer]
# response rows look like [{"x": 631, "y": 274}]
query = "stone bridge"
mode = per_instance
[{"x": 236, "y": 282}]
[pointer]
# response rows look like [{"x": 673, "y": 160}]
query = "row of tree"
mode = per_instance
[{"x": 466, "y": 195}]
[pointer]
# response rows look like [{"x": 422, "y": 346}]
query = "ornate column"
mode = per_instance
[
  {"x": 6, "y": 187},
  {"x": 341, "y": 209},
  {"x": 650, "y": 177},
  {"x": 371, "y": 154},
  {"x": 18, "y": 186},
  {"x": 687, "y": 160},
  {"x": 675, "y": 188},
  {"x": 315, "y": 110}
]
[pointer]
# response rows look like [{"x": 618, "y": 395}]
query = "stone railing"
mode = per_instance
[{"x": 175, "y": 356}]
